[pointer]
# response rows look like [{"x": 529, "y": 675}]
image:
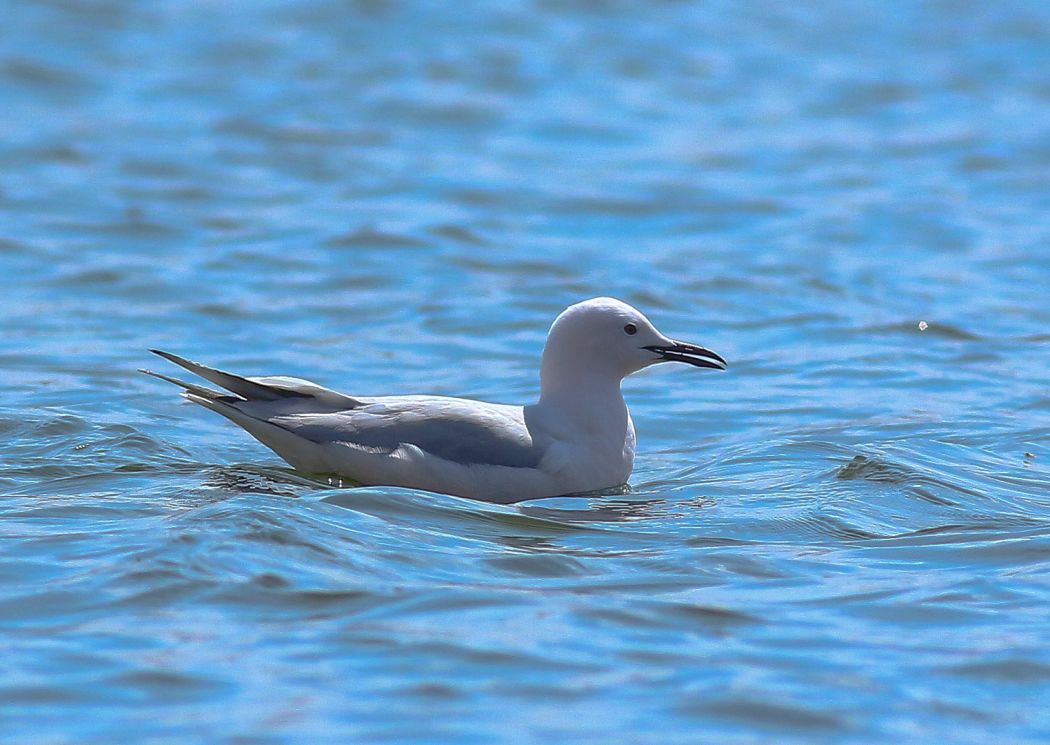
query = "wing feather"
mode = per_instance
[{"x": 466, "y": 433}]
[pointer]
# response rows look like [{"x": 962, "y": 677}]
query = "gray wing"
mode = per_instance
[{"x": 461, "y": 431}]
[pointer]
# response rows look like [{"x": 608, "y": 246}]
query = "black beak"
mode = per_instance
[{"x": 681, "y": 351}]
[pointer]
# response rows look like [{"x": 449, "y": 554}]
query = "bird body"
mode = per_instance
[{"x": 577, "y": 437}]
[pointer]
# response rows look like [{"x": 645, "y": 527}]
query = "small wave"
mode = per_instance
[
  {"x": 40, "y": 75},
  {"x": 1006, "y": 670},
  {"x": 937, "y": 329},
  {"x": 370, "y": 237},
  {"x": 775, "y": 716},
  {"x": 459, "y": 234}
]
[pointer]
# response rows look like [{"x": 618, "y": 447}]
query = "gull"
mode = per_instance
[{"x": 578, "y": 437}]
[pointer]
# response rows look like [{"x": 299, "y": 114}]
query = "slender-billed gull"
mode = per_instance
[{"x": 578, "y": 437}]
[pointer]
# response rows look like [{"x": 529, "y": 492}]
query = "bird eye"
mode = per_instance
[{"x": 630, "y": 329}]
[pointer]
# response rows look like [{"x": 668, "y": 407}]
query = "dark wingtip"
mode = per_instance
[{"x": 168, "y": 356}]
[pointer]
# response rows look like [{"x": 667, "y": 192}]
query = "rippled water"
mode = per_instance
[{"x": 845, "y": 537}]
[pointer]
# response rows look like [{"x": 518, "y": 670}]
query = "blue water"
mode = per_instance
[{"x": 844, "y": 538}]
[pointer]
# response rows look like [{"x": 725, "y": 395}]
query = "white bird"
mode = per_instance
[{"x": 578, "y": 437}]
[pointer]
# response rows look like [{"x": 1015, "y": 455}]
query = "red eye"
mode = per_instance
[{"x": 630, "y": 329}]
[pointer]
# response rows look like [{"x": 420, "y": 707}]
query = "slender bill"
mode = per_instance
[{"x": 680, "y": 351}]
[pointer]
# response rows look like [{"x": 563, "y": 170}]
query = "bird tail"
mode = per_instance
[
  {"x": 199, "y": 391},
  {"x": 254, "y": 406}
]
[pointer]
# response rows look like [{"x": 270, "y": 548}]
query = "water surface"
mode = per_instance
[{"x": 843, "y": 538}]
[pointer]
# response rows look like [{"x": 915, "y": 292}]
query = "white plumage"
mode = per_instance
[{"x": 577, "y": 437}]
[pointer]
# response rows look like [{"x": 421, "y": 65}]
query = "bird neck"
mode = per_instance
[{"x": 581, "y": 388}]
